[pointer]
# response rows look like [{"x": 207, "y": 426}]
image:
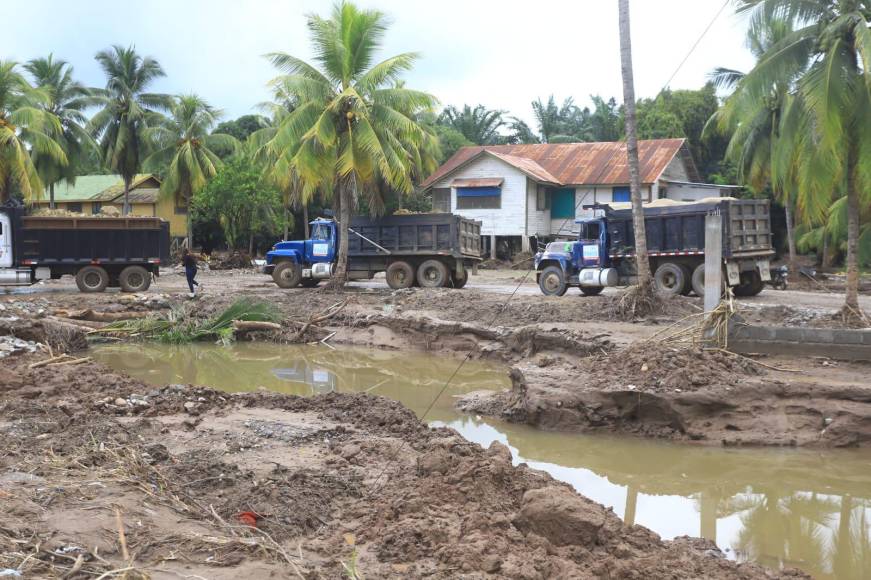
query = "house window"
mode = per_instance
[
  {"x": 441, "y": 200},
  {"x": 74, "y": 207},
  {"x": 542, "y": 201},
  {"x": 621, "y": 194},
  {"x": 479, "y": 197},
  {"x": 96, "y": 207},
  {"x": 563, "y": 203}
]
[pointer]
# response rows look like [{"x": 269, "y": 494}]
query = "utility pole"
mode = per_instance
[{"x": 641, "y": 259}]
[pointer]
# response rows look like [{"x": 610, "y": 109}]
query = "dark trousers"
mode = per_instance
[{"x": 191, "y": 273}]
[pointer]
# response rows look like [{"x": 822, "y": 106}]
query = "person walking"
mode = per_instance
[{"x": 189, "y": 261}]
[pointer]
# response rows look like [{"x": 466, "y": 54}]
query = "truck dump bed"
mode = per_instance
[
  {"x": 416, "y": 234},
  {"x": 76, "y": 240},
  {"x": 681, "y": 228}
]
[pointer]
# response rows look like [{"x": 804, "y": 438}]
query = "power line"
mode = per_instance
[
  {"x": 695, "y": 44},
  {"x": 453, "y": 375}
]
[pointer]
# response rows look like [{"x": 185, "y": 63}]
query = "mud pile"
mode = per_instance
[
  {"x": 649, "y": 366},
  {"x": 101, "y": 473}
]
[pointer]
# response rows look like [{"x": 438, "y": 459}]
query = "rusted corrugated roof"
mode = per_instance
[
  {"x": 577, "y": 163},
  {"x": 527, "y": 166},
  {"x": 478, "y": 182}
]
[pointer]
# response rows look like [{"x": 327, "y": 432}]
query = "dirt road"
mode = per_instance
[{"x": 502, "y": 282}]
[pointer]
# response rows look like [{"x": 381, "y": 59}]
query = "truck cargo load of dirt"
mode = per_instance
[{"x": 101, "y": 473}]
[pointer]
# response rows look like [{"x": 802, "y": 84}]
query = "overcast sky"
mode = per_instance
[{"x": 502, "y": 53}]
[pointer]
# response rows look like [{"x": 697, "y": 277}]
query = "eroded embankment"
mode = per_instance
[
  {"x": 684, "y": 394},
  {"x": 100, "y": 472}
]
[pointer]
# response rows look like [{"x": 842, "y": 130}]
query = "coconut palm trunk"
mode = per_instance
[
  {"x": 345, "y": 199},
  {"x": 790, "y": 234},
  {"x": 641, "y": 257},
  {"x": 126, "y": 208},
  {"x": 305, "y": 219},
  {"x": 851, "y": 304},
  {"x": 51, "y": 196}
]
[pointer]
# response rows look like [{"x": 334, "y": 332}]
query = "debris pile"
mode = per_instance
[{"x": 653, "y": 367}]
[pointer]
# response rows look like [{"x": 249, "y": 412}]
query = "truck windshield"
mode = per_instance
[{"x": 321, "y": 232}]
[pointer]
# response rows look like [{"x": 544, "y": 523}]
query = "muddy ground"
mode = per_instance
[
  {"x": 575, "y": 366},
  {"x": 103, "y": 476},
  {"x": 356, "y": 482}
]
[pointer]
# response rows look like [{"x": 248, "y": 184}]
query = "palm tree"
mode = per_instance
[
  {"x": 479, "y": 125},
  {"x": 826, "y": 119},
  {"x": 641, "y": 259},
  {"x": 127, "y": 111},
  {"x": 754, "y": 123},
  {"x": 25, "y": 128},
  {"x": 67, "y": 100},
  {"x": 354, "y": 127},
  {"x": 183, "y": 146}
]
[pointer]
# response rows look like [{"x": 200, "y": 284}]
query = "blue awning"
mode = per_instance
[{"x": 478, "y": 191}]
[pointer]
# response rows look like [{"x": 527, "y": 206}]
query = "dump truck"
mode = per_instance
[
  {"x": 604, "y": 253},
  {"x": 100, "y": 252},
  {"x": 430, "y": 250}
]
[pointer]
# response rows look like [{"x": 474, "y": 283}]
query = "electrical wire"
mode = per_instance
[{"x": 422, "y": 418}]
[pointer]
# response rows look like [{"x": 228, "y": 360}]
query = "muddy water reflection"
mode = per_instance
[{"x": 777, "y": 507}]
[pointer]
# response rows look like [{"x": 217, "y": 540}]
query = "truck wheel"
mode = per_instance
[
  {"x": 552, "y": 281},
  {"x": 698, "y": 280},
  {"x": 591, "y": 290},
  {"x": 670, "y": 279},
  {"x": 287, "y": 274},
  {"x": 433, "y": 274},
  {"x": 134, "y": 279},
  {"x": 751, "y": 284},
  {"x": 92, "y": 279},
  {"x": 400, "y": 275},
  {"x": 459, "y": 281},
  {"x": 310, "y": 282}
]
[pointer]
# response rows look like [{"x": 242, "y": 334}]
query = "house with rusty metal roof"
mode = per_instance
[{"x": 524, "y": 193}]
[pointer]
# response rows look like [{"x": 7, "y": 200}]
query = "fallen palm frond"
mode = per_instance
[{"x": 180, "y": 327}]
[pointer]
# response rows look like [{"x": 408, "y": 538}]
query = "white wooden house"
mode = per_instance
[{"x": 524, "y": 193}]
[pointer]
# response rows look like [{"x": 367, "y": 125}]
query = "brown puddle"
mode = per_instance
[{"x": 810, "y": 509}]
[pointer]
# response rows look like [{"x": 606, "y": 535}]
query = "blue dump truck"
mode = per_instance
[
  {"x": 604, "y": 253},
  {"x": 100, "y": 252},
  {"x": 430, "y": 250}
]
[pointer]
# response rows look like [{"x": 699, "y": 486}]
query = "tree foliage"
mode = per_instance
[
  {"x": 355, "y": 126},
  {"x": 477, "y": 124},
  {"x": 66, "y": 100},
  {"x": 25, "y": 128},
  {"x": 241, "y": 202},
  {"x": 127, "y": 110},
  {"x": 182, "y": 145}
]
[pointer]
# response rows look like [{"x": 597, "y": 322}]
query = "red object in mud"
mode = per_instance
[{"x": 248, "y": 518}]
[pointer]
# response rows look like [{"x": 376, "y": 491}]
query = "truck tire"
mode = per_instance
[
  {"x": 92, "y": 279},
  {"x": 698, "y": 280},
  {"x": 670, "y": 279},
  {"x": 552, "y": 281},
  {"x": 134, "y": 279},
  {"x": 287, "y": 274},
  {"x": 591, "y": 290},
  {"x": 751, "y": 284},
  {"x": 459, "y": 281},
  {"x": 433, "y": 274},
  {"x": 400, "y": 275}
]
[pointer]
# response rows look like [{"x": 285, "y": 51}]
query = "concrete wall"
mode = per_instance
[
  {"x": 691, "y": 192},
  {"x": 827, "y": 342},
  {"x": 510, "y": 219}
]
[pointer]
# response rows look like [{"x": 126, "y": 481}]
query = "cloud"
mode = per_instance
[{"x": 501, "y": 53}]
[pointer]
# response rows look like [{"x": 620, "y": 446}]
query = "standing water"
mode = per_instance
[{"x": 808, "y": 509}]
